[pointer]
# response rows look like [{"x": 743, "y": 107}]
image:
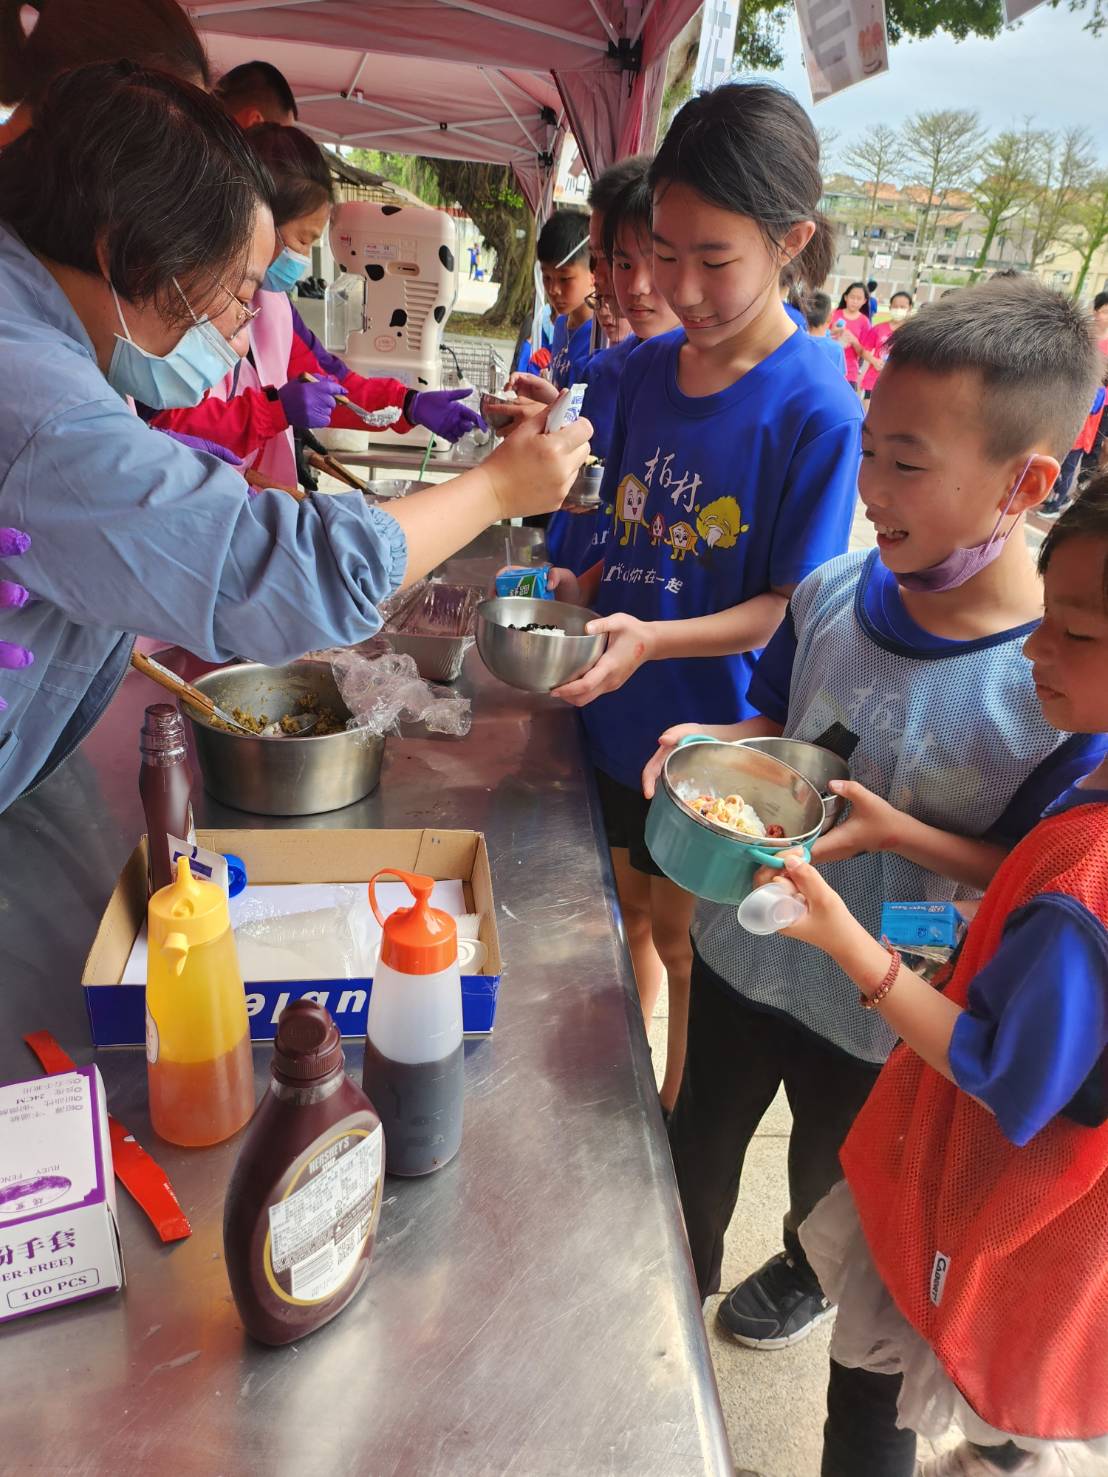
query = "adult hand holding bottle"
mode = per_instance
[{"x": 531, "y": 472}]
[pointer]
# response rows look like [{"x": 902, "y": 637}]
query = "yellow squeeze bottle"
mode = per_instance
[{"x": 199, "y": 1063}]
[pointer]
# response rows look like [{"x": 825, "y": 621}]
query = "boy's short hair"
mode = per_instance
[
  {"x": 1086, "y": 517},
  {"x": 817, "y": 309},
  {"x": 564, "y": 239},
  {"x": 256, "y": 84},
  {"x": 1100, "y": 301},
  {"x": 632, "y": 208},
  {"x": 1033, "y": 349},
  {"x": 612, "y": 181}
]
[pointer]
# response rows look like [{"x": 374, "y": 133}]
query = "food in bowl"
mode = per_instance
[
  {"x": 735, "y": 813},
  {"x": 536, "y": 629},
  {"x": 307, "y": 706}
]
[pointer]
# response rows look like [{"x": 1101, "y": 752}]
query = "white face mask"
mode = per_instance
[
  {"x": 200, "y": 359},
  {"x": 898, "y": 315}
]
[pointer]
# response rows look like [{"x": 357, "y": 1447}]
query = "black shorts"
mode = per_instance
[{"x": 624, "y": 811}]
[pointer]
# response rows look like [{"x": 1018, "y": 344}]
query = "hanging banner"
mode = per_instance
[
  {"x": 1015, "y": 10},
  {"x": 715, "y": 59},
  {"x": 845, "y": 41}
]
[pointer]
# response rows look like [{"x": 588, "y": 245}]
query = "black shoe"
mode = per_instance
[{"x": 776, "y": 1306}]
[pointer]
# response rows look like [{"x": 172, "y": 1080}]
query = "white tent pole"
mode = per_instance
[
  {"x": 613, "y": 34},
  {"x": 491, "y": 80},
  {"x": 233, "y": 7},
  {"x": 350, "y": 86},
  {"x": 647, "y": 8},
  {"x": 593, "y": 43}
]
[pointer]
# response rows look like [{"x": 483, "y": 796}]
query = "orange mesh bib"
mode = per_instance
[{"x": 997, "y": 1255}]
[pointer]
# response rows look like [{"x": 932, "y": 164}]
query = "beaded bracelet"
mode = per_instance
[{"x": 871, "y": 1002}]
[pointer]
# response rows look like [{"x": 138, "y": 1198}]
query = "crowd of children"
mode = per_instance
[{"x": 966, "y": 1245}]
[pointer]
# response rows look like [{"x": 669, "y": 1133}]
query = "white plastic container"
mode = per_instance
[
  {"x": 414, "y": 1063},
  {"x": 770, "y": 908}
]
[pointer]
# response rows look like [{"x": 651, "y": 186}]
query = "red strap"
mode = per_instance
[{"x": 143, "y": 1178}]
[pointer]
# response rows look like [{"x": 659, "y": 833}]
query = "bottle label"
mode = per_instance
[
  {"x": 319, "y": 1227},
  {"x": 152, "y": 1038}
]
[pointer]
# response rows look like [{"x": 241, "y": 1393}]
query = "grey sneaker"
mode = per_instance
[{"x": 776, "y": 1306}]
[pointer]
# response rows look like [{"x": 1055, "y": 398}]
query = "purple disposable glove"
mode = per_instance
[
  {"x": 328, "y": 362},
  {"x": 13, "y": 542},
  {"x": 307, "y": 405},
  {"x": 440, "y": 412},
  {"x": 201, "y": 443}
]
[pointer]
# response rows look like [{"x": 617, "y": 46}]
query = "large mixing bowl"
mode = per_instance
[
  {"x": 818, "y": 765},
  {"x": 282, "y": 776},
  {"x": 536, "y": 661}
]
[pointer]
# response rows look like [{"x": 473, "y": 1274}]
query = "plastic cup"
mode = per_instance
[{"x": 770, "y": 908}]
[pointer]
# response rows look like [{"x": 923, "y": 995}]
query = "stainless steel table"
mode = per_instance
[{"x": 530, "y": 1309}]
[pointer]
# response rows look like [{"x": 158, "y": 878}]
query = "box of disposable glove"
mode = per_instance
[{"x": 58, "y": 1236}]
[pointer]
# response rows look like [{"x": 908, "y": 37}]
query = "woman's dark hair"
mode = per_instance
[
  {"x": 861, "y": 286},
  {"x": 138, "y": 175},
  {"x": 1086, "y": 517},
  {"x": 631, "y": 210},
  {"x": 301, "y": 179},
  {"x": 72, "y": 33},
  {"x": 902, "y": 292},
  {"x": 750, "y": 148},
  {"x": 564, "y": 240}
]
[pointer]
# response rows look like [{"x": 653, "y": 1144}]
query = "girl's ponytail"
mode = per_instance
[{"x": 813, "y": 265}]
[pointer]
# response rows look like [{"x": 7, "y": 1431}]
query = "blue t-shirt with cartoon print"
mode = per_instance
[
  {"x": 576, "y": 540},
  {"x": 715, "y": 499},
  {"x": 570, "y": 352}
]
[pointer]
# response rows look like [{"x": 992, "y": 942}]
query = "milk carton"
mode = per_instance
[{"x": 58, "y": 1236}]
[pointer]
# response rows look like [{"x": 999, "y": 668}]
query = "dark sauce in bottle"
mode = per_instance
[{"x": 300, "y": 1218}]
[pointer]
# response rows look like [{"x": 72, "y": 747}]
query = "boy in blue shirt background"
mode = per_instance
[
  {"x": 912, "y": 656},
  {"x": 567, "y": 281},
  {"x": 817, "y": 314}
]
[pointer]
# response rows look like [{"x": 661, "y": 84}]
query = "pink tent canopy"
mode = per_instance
[{"x": 463, "y": 79}]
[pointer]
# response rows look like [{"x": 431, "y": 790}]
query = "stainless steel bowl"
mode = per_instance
[
  {"x": 532, "y": 660},
  {"x": 385, "y": 489},
  {"x": 282, "y": 776},
  {"x": 817, "y": 764}
]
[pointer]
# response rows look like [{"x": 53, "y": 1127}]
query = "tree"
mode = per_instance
[
  {"x": 1005, "y": 181},
  {"x": 876, "y": 156},
  {"x": 1067, "y": 166},
  {"x": 1090, "y": 218},
  {"x": 940, "y": 152},
  {"x": 490, "y": 195}
]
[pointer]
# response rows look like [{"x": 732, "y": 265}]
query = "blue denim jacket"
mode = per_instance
[{"x": 132, "y": 533}]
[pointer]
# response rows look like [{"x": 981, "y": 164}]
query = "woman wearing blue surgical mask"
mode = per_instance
[
  {"x": 135, "y": 232},
  {"x": 253, "y": 410}
]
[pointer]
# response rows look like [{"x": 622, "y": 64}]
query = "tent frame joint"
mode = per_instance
[{"x": 627, "y": 53}]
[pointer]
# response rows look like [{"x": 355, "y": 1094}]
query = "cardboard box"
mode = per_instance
[
  {"x": 117, "y": 1012},
  {"x": 58, "y": 1236}
]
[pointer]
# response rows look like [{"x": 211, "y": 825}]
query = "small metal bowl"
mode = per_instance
[
  {"x": 281, "y": 775},
  {"x": 495, "y": 410},
  {"x": 533, "y": 660},
  {"x": 385, "y": 489},
  {"x": 818, "y": 765}
]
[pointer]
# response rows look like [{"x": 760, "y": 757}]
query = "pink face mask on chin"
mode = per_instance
[{"x": 961, "y": 565}]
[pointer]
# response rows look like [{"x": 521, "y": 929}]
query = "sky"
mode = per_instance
[{"x": 1047, "y": 66}]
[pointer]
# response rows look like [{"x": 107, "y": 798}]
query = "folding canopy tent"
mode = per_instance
[{"x": 486, "y": 80}]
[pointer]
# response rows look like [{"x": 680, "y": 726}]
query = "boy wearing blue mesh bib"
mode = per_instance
[{"x": 910, "y": 659}]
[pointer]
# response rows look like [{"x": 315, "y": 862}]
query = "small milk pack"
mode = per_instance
[{"x": 58, "y": 1236}]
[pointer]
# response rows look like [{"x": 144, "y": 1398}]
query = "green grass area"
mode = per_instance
[{"x": 473, "y": 325}]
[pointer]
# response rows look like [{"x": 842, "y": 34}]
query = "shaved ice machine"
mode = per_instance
[{"x": 397, "y": 284}]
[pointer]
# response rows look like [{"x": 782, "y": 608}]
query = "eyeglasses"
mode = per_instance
[{"x": 245, "y": 315}]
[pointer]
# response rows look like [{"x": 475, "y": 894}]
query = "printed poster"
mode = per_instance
[{"x": 845, "y": 41}]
